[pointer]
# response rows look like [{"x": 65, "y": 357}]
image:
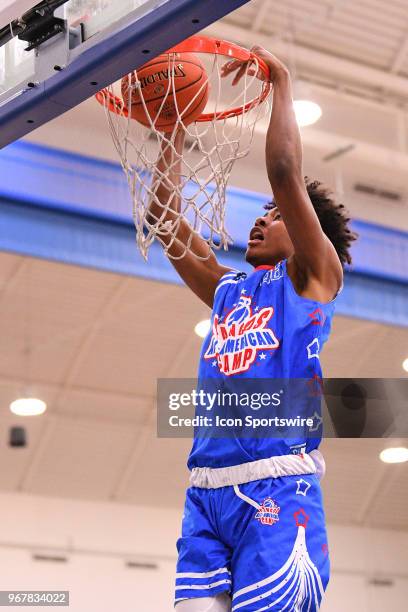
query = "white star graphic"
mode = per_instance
[
  {"x": 313, "y": 349},
  {"x": 214, "y": 363},
  {"x": 262, "y": 356},
  {"x": 318, "y": 420},
  {"x": 256, "y": 309},
  {"x": 302, "y": 487},
  {"x": 243, "y": 291}
]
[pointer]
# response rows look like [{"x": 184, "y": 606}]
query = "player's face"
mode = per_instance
[{"x": 269, "y": 240}]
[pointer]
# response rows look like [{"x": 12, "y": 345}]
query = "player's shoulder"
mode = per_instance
[{"x": 231, "y": 277}]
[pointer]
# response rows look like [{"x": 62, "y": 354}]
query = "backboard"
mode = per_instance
[{"x": 73, "y": 48}]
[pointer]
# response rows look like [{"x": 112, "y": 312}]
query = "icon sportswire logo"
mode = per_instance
[{"x": 235, "y": 342}]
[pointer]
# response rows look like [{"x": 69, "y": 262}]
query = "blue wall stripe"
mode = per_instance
[
  {"x": 68, "y": 238},
  {"x": 95, "y": 243},
  {"x": 72, "y": 208},
  {"x": 97, "y": 188}
]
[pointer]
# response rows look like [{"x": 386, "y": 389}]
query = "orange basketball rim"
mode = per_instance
[{"x": 203, "y": 44}]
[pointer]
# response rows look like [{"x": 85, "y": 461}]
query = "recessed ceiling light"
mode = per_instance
[
  {"x": 394, "y": 455},
  {"x": 307, "y": 112},
  {"x": 202, "y": 328},
  {"x": 28, "y": 406},
  {"x": 405, "y": 364}
]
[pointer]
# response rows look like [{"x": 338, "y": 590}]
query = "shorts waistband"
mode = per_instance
[{"x": 273, "y": 467}]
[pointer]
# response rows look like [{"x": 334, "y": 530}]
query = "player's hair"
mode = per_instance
[{"x": 333, "y": 218}]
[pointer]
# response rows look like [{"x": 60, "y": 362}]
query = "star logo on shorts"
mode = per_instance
[
  {"x": 302, "y": 487},
  {"x": 301, "y": 518}
]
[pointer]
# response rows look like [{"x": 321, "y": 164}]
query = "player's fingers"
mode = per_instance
[
  {"x": 240, "y": 74},
  {"x": 229, "y": 67},
  {"x": 258, "y": 73}
]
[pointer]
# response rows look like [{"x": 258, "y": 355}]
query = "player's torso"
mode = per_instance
[{"x": 261, "y": 329}]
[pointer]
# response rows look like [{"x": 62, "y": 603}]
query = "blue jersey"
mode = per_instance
[{"x": 260, "y": 329}]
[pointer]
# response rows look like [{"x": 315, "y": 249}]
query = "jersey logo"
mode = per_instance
[
  {"x": 298, "y": 449},
  {"x": 273, "y": 275},
  {"x": 268, "y": 512},
  {"x": 236, "y": 341}
]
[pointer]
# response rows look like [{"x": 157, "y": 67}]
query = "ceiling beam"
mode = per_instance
[
  {"x": 400, "y": 56},
  {"x": 322, "y": 64},
  {"x": 324, "y": 142},
  {"x": 91, "y": 393},
  {"x": 260, "y": 16}
]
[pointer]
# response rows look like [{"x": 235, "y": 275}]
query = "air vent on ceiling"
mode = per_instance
[
  {"x": 378, "y": 192},
  {"x": 381, "y": 582},
  {"x": 51, "y": 558},
  {"x": 139, "y": 565}
]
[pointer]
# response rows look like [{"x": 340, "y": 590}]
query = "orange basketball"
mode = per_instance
[{"x": 188, "y": 96}]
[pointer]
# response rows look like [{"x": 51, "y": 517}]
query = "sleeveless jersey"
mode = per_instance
[{"x": 260, "y": 328}]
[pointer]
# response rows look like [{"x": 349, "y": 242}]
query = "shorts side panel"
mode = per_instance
[{"x": 204, "y": 561}]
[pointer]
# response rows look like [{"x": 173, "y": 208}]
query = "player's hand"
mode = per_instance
[
  {"x": 177, "y": 138},
  {"x": 276, "y": 67}
]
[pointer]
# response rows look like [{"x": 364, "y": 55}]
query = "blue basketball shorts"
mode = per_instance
[{"x": 264, "y": 542}]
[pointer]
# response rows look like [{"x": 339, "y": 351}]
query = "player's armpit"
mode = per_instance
[
  {"x": 201, "y": 274},
  {"x": 321, "y": 283}
]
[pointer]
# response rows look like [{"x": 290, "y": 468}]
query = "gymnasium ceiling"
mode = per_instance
[{"x": 93, "y": 344}]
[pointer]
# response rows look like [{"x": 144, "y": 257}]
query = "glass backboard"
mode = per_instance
[{"x": 95, "y": 43}]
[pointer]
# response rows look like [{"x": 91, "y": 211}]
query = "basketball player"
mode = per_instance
[{"x": 253, "y": 535}]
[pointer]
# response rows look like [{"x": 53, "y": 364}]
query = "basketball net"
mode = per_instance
[{"x": 199, "y": 176}]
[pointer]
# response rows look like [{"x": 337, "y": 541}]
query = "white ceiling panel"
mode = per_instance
[
  {"x": 79, "y": 458},
  {"x": 366, "y": 31},
  {"x": 157, "y": 472}
]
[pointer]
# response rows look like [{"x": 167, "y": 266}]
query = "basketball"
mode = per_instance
[{"x": 165, "y": 101}]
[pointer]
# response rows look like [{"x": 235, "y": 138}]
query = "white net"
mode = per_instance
[{"x": 181, "y": 174}]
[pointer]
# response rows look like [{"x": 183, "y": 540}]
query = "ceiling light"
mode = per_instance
[
  {"x": 394, "y": 455},
  {"x": 307, "y": 112},
  {"x": 202, "y": 328},
  {"x": 28, "y": 406},
  {"x": 405, "y": 364}
]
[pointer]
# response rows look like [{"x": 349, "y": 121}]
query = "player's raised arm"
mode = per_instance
[
  {"x": 315, "y": 256},
  {"x": 181, "y": 241},
  {"x": 315, "y": 261}
]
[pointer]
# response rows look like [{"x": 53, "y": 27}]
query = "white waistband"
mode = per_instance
[{"x": 273, "y": 467}]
